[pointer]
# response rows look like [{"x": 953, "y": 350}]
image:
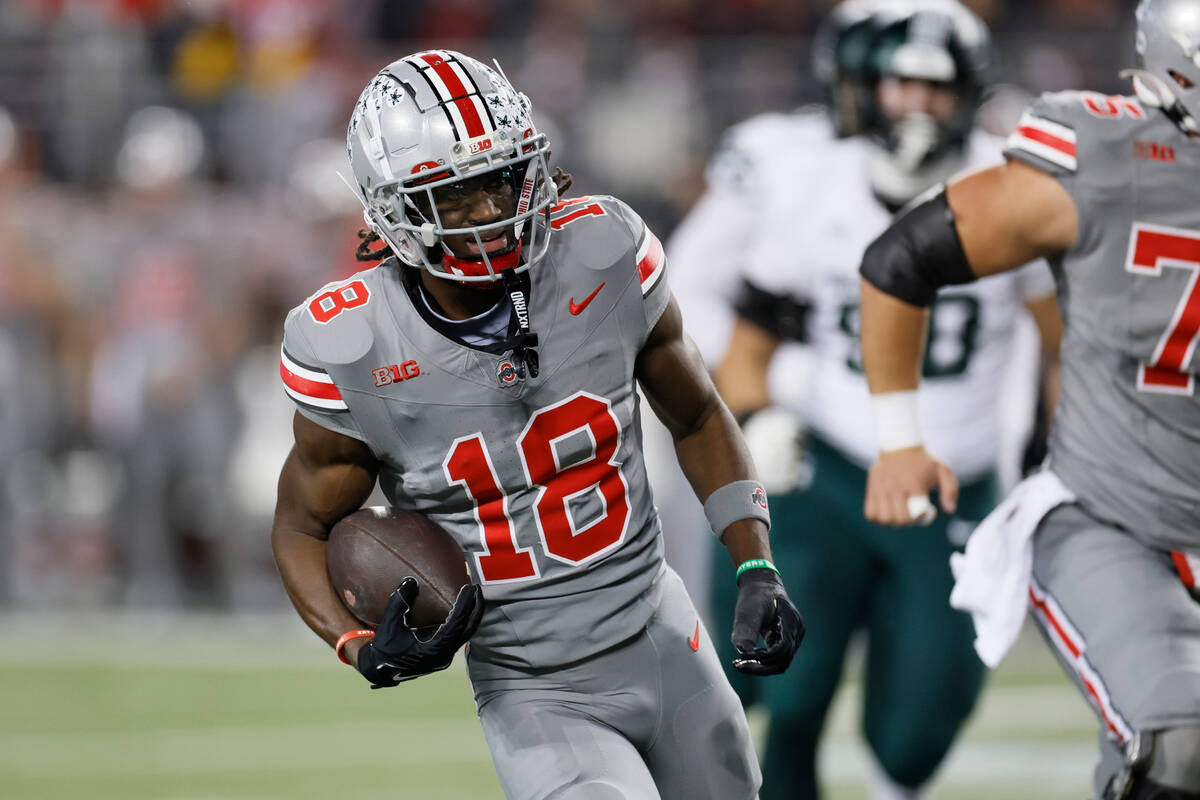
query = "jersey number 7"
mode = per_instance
[
  {"x": 469, "y": 464},
  {"x": 1152, "y": 247}
]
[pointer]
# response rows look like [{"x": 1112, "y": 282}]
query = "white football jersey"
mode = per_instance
[{"x": 790, "y": 209}]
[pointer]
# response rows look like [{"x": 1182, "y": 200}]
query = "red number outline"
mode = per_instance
[
  {"x": 568, "y": 544},
  {"x": 1111, "y": 106},
  {"x": 502, "y": 559},
  {"x": 1152, "y": 247},
  {"x": 340, "y": 302},
  {"x": 562, "y": 220}
]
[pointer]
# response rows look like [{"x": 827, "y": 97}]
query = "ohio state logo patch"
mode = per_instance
[
  {"x": 507, "y": 373},
  {"x": 760, "y": 498}
]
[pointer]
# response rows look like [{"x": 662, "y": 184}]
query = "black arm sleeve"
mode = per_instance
[
  {"x": 782, "y": 316},
  {"x": 918, "y": 254}
]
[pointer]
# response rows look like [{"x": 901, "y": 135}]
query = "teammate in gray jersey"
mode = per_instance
[
  {"x": 485, "y": 375},
  {"x": 1107, "y": 536}
]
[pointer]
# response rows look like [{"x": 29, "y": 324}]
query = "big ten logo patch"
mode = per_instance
[
  {"x": 1153, "y": 151},
  {"x": 394, "y": 373}
]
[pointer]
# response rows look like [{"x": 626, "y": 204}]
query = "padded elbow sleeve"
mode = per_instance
[
  {"x": 782, "y": 316},
  {"x": 919, "y": 254}
]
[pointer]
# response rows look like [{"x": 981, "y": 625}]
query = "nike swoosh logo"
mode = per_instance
[
  {"x": 694, "y": 642},
  {"x": 577, "y": 308}
]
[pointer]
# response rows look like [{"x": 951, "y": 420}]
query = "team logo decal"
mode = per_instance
[
  {"x": 506, "y": 371},
  {"x": 760, "y": 498}
]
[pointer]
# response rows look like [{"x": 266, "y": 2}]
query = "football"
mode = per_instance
[{"x": 370, "y": 551}]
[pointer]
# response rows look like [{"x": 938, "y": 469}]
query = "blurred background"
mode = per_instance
[{"x": 168, "y": 191}]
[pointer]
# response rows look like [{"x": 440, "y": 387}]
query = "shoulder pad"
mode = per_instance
[
  {"x": 334, "y": 324},
  {"x": 1055, "y": 129},
  {"x": 607, "y": 221},
  {"x": 604, "y": 233}
]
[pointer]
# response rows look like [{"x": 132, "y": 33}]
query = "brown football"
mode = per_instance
[{"x": 370, "y": 551}]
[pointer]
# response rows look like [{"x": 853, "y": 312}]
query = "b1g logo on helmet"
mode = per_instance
[
  {"x": 760, "y": 498},
  {"x": 506, "y": 371}
]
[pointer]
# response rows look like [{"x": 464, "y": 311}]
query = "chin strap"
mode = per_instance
[
  {"x": 1153, "y": 91},
  {"x": 523, "y": 341},
  {"x": 455, "y": 265}
]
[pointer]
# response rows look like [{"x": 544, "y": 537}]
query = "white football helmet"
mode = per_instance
[
  {"x": 431, "y": 120},
  {"x": 1168, "y": 48}
]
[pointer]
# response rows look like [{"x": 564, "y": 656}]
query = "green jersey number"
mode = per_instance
[{"x": 953, "y": 335}]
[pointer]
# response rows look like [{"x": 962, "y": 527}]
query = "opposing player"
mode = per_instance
[
  {"x": 1108, "y": 188},
  {"x": 790, "y": 209},
  {"x": 485, "y": 375}
]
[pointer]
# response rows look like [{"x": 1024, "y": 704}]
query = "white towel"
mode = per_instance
[{"x": 991, "y": 578}]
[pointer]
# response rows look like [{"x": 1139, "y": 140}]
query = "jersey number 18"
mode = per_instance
[{"x": 469, "y": 464}]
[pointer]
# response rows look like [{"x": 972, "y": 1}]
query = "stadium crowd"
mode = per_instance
[{"x": 168, "y": 191}]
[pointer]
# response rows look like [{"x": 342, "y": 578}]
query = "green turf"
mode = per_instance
[{"x": 211, "y": 709}]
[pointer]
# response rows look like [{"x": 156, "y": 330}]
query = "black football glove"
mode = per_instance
[
  {"x": 396, "y": 654},
  {"x": 763, "y": 609}
]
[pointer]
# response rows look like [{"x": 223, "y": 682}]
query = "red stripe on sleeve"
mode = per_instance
[
  {"x": 322, "y": 391},
  {"x": 1048, "y": 139},
  {"x": 651, "y": 260}
]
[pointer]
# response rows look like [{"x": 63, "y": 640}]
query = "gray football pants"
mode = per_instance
[
  {"x": 650, "y": 719},
  {"x": 1121, "y": 623}
]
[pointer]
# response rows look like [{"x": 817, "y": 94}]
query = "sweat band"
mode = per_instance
[
  {"x": 755, "y": 563},
  {"x": 346, "y": 637},
  {"x": 897, "y": 425},
  {"x": 734, "y": 501}
]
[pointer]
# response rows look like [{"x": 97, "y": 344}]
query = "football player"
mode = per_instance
[
  {"x": 789, "y": 210},
  {"x": 485, "y": 376},
  {"x": 1106, "y": 537}
]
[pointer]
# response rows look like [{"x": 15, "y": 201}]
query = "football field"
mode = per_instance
[{"x": 240, "y": 708}]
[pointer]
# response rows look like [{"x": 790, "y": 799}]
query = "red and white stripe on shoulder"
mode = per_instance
[
  {"x": 309, "y": 385},
  {"x": 1051, "y": 141},
  {"x": 458, "y": 92},
  {"x": 1188, "y": 567},
  {"x": 651, "y": 261}
]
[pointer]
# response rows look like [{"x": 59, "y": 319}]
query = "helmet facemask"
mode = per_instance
[{"x": 405, "y": 214}]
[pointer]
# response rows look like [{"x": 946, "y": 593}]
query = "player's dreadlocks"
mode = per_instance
[{"x": 369, "y": 238}]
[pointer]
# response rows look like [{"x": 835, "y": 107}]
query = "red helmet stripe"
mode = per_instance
[{"x": 457, "y": 92}]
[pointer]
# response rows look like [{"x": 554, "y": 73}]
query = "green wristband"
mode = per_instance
[{"x": 755, "y": 563}]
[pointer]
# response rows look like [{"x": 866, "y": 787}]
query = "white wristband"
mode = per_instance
[{"x": 897, "y": 425}]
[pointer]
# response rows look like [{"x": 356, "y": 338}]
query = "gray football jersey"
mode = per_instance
[
  {"x": 1126, "y": 434},
  {"x": 541, "y": 480}
]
